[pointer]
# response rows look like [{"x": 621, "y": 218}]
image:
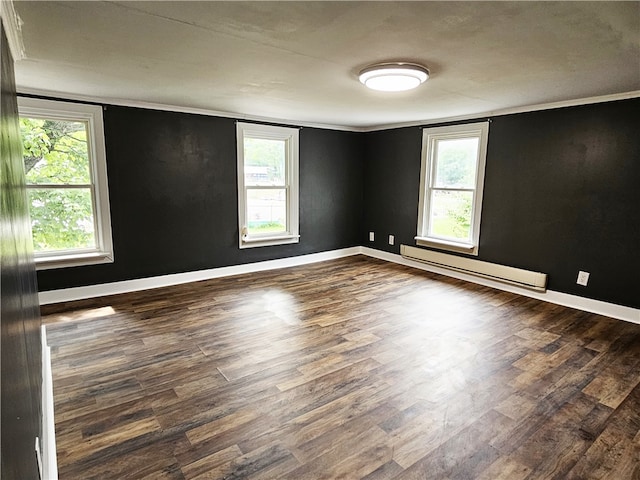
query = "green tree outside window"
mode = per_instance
[{"x": 57, "y": 170}]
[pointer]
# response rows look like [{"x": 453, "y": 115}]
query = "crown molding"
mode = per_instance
[
  {"x": 255, "y": 118},
  {"x": 509, "y": 111},
  {"x": 119, "y": 102},
  {"x": 13, "y": 29}
]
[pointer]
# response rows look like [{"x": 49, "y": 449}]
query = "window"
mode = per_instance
[
  {"x": 66, "y": 180},
  {"x": 267, "y": 185},
  {"x": 451, "y": 182}
]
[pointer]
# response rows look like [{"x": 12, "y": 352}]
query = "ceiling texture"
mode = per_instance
[{"x": 298, "y": 62}]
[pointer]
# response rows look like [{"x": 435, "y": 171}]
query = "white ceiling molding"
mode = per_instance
[
  {"x": 281, "y": 121},
  {"x": 13, "y": 29},
  {"x": 509, "y": 111},
  {"x": 119, "y": 102},
  {"x": 299, "y": 61}
]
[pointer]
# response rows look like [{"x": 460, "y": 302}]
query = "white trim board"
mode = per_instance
[
  {"x": 120, "y": 102},
  {"x": 79, "y": 293},
  {"x": 256, "y": 118},
  {"x": 49, "y": 461},
  {"x": 619, "y": 312},
  {"x": 509, "y": 111},
  {"x": 13, "y": 29},
  {"x": 127, "y": 286}
]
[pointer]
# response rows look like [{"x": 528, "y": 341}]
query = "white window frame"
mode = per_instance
[
  {"x": 92, "y": 116},
  {"x": 430, "y": 137},
  {"x": 291, "y": 138}
]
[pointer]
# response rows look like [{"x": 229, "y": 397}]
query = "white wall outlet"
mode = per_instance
[
  {"x": 372, "y": 236},
  {"x": 391, "y": 240},
  {"x": 583, "y": 278}
]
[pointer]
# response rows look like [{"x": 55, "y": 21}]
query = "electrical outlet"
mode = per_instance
[
  {"x": 391, "y": 240},
  {"x": 372, "y": 236},
  {"x": 583, "y": 278}
]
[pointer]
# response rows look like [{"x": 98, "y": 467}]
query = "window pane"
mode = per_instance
[
  {"x": 55, "y": 151},
  {"x": 450, "y": 215},
  {"x": 456, "y": 162},
  {"x": 61, "y": 218},
  {"x": 264, "y": 162},
  {"x": 266, "y": 211}
]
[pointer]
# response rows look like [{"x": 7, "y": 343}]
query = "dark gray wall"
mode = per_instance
[
  {"x": 173, "y": 195},
  {"x": 20, "y": 338},
  {"x": 561, "y": 194}
]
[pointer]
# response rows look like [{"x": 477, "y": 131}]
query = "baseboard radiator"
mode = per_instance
[{"x": 515, "y": 276}]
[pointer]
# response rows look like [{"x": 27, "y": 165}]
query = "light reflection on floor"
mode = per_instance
[{"x": 85, "y": 314}]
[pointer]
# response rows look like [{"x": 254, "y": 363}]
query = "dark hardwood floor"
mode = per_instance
[{"x": 353, "y": 368}]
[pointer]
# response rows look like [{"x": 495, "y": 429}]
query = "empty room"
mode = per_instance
[{"x": 320, "y": 240}]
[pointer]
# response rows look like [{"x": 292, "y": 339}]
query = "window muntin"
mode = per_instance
[
  {"x": 451, "y": 182},
  {"x": 267, "y": 185},
  {"x": 65, "y": 173}
]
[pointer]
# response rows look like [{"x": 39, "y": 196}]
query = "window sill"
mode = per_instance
[
  {"x": 72, "y": 260},
  {"x": 438, "y": 243},
  {"x": 250, "y": 242}
]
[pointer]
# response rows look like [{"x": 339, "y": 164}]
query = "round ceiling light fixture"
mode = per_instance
[{"x": 394, "y": 77}]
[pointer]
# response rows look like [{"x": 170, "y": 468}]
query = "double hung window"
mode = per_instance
[
  {"x": 451, "y": 183},
  {"x": 267, "y": 185},
  {"x": 66, "y": 181}
]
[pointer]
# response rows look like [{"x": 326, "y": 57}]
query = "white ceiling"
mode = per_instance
[{"x": 298, "y": 61}]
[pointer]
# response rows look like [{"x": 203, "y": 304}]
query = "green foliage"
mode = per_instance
[
  {"x": 259, "y": 152},
  {"x": 35, "y": 141},
  {"x": 453, "y": 215},
  {"x": 56, "y": 154},
  {"x": 455, "y": 168},
  {"x": 266, "y": 227},
  {"x": 461, "y": 215},
  {"x": 457, "y": 162},
  {"x": 61, "y": 219}
]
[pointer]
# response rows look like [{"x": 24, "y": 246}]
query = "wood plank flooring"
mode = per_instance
[{"x": 347, "y": 369}]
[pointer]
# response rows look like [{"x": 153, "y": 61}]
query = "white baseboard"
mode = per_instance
[
  {"x": 581, "y": 303},
  {"x": 574, "y": 301},
  {"x": 127, "y": 286},
  {"x": 49, "y": 461}
]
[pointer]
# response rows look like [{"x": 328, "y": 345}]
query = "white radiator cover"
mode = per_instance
[{"x": 516, "y": 276}]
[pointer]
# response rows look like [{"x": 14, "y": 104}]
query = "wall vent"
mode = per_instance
[{"x": 515, "y": 276}]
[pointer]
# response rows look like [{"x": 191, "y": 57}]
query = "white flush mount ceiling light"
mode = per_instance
[{"x": 394, "y": 77}]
